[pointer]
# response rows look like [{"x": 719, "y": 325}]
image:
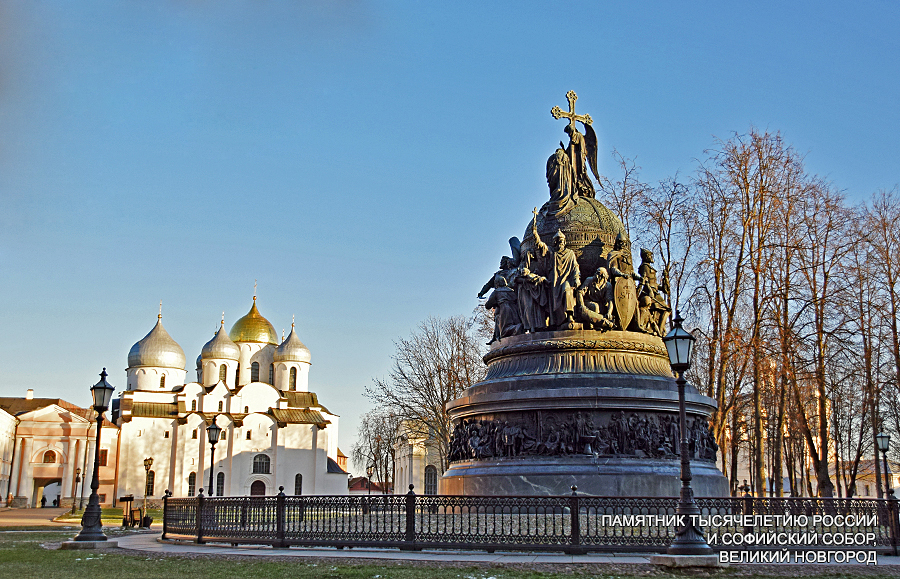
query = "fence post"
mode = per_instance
[
  {"x": 166, "y": 496},
  {"x": 575, "y": 520},
  {"x": 200, "y": 501},
  {"x": 410, "y": 537},
  {"x": 747, "y": 506},
  {"x": 279, "y": 518},
  {"x": 894, "y": 519}
]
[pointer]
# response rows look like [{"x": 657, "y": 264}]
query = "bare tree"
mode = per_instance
[
  {"x": 375, "y": 445},
  {"x": 431, "y": 368},
  {"x": 624, "y": 195}
]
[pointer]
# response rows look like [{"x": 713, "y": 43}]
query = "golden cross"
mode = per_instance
[
  {"x": 254, "y": 290},
  {"x": 159, "y": 317},
  {"x": 558, "y": 113}
]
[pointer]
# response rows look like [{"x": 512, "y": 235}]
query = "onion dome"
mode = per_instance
[
  {"x": 221, "y": 347},
  {"x": 253, "y": 328},
  {"x": 292, "y": 350},
  {"x": 157, "y": 349}
]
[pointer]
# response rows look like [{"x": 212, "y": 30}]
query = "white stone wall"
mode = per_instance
[
  {"x": 7, "y": 444},
  {"x": 149, "y": 378}
]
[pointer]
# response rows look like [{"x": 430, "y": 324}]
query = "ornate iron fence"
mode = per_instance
[{"x": 413, "y": 522}]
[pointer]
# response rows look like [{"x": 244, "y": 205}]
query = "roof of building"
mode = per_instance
[
  {"x": 157, "y": 349},
  {"x": 334, "y": 468},
  {"x": 298, "y": 416},
  {"x": 253, "y": 328},
  {"x": 360, "y": 483},
  {"x": 17, "y": 406},
  {"x": 304, "y": 400}
]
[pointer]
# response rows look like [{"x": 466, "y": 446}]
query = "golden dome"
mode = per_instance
[{"x": 253, "y": 328}]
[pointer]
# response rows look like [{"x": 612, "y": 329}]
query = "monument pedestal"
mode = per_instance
[{"x": 598, "y": 410}]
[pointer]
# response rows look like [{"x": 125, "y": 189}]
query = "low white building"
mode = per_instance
[
  {"x": 416, "y": 462},
  {"x": 274, "y": 431},
  {"x": 7, "y": 445}
]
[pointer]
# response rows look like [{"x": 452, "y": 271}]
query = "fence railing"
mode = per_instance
[{"x": 573, "y": 524}]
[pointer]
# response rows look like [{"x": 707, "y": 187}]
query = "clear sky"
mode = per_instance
[{"x": 365, "y": 161}]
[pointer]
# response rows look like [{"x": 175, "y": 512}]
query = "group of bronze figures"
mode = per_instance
[
  {"x": 541, "y": 288},
  {"x": 543, "y": 291},
  {"x": 653, "y": 435}
]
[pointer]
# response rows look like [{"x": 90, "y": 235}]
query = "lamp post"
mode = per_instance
[
  {"x": 369, "y": 470},
  {"x": 148, "y": 462},
  {"x": 212, "y": 431},
  {"x": 883, "y": 440},
  {"x": 689, "y": 538},
  {"x": 77, "y": 480},
  {"x": 91, "y": 527}
]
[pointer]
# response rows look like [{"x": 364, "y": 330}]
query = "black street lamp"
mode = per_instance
[
  {"x": 883, "y": 440},
  {"x": 213, "y": 431},
  {"x": 689, "y": 538},
  {"x": 91, "y": 527},
  {"x": 369, "y": 470},
  {"x": 77, "y": 480},
  {"x": 148, "y": 462}
]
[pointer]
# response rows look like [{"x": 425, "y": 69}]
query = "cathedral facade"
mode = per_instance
[{"x": 275, "y": 433}]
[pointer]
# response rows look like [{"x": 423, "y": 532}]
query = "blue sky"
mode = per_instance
[{"x": 365, "y": 161}]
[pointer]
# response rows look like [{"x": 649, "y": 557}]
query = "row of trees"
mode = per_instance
[{"x": 794, "y": 294}]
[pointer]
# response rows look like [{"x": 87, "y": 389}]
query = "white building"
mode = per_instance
[
  {"x": 7, "y": 445},
  {"x": 274, "y": 431},
  {"x": 416, "y": 462},
  {"x": 53, "y": 450}
]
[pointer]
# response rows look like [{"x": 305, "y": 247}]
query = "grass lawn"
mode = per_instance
[{"x": 22, "y": 556}]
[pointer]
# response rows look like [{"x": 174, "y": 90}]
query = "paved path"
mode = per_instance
[
  {"x": 149, "y": 542},
  {"x": 32, "y": 518}
]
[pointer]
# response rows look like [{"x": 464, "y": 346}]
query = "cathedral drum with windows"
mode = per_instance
[{"x": 255, "y": 387}]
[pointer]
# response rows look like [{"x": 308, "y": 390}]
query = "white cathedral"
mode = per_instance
[{"x": 274, "y": 431}]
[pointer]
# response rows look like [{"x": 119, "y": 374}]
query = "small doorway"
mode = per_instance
[{"x": 258, "y": 489}]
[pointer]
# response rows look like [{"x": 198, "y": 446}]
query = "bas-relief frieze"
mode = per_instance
[{"x": 587, "y": 432}]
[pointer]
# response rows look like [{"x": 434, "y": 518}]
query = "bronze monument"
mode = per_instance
[{"x": 578, "y": 388}]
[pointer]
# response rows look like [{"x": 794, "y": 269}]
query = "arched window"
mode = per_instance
[
  {"x": 162, "y": 381},
  {"x": 194, "y": 434},
  {"x": 298, "y": 484},
  {"x": 49, "y": 457},
  {"x": 223, "y": 370},
  {"x": 254, "y": 372},
  {"x": 220, "y": 406},
  {"x": 224, "y": 434},
  {"x": 246, "y": 410},
  {"x": 193, "y": 405},
  {"x": 272, "y": 374},
  {"x": 430, "y": 480},
  {"x": 192, "y": 484},
  {"x": 151, "y": 481},
  {"x": 237, "y": 377},
  {"x": 220, "y": 484},
  {"x": 293, "y": 379},
  {"x": 261, "y": 464},
  {"x": 249, "y": 434}
]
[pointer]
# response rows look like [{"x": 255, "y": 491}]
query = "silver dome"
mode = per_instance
[
  {"x": 221, "y": 347},
  {"x": 292, "y": 350},
  {"x": 157, "y": 349}
]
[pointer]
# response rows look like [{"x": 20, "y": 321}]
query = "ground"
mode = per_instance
[{"x": 29, "y": 551}]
